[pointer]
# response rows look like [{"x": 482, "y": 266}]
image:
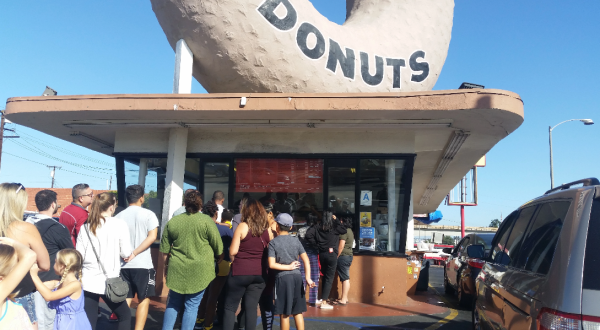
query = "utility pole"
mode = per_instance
[
  {"x": 1, "y": 133},
  {"x": 2, "y": 129},
  {"x": 53, "y": 172},
  {"x": 110, "y": 184}
]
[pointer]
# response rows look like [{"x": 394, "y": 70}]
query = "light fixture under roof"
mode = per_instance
[{"x": 456, "y": 142}]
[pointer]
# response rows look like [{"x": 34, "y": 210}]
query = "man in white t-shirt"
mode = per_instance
[
  {"x": 139, "y": 271},
  {"x": 219, "y": 199}
]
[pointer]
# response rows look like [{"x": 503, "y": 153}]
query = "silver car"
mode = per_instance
[{"x": 543, "y": 270}]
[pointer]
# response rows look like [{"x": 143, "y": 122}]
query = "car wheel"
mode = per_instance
[
  {"x": 475, "y": 318},
  {"x": 447, "y": 287},
  {"x": 464, "y": 300}
]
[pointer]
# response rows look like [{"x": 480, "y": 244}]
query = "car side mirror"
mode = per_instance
[
  {"x": 447, "y": 250},
  {"x": 476, "y": 251}
]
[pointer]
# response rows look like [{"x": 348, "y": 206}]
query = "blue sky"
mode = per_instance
[{"x": 546, "y": 52}]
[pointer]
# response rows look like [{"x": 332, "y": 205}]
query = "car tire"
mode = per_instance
[
  {"x": 464, "y": 300},
  {"x": 447, "y": 287},
  {"x": 475, "y": 319}
]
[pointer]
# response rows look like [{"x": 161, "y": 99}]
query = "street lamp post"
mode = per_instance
[{"x": 584, "y": 121}]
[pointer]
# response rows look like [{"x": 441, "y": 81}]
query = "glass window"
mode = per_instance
[
  {"x": 591, "y": 262},
  {"x": 485, "y": 240},
  {"x": 463, "y": 245},
  {"x": 294, "y": 185},
  {"x": 513, "y": 244},
  {"x": 151, "y": 172},
  {"x": 216, "y": 178},
  {"x": 502, "y": 235},
  {"x": 382, "y": 202},
  {"x": 540, "y": 242}
]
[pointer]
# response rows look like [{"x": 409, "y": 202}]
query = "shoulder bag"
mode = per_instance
[{"x": 116, "y": 289}]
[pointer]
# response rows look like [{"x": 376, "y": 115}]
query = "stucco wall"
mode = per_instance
[{"x": 273, "y": 140}]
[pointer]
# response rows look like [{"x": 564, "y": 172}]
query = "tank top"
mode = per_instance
[
  {"x": 14, "y": 316},
  {"x": 250, "y": 259}
]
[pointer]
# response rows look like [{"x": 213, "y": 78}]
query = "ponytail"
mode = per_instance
[{"x": 100, "y": 204}]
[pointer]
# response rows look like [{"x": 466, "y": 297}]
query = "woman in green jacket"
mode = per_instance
[{"x": 191, "y": 242}]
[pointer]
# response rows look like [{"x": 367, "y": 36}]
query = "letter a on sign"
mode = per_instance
[{"x": 366, "y": 198}]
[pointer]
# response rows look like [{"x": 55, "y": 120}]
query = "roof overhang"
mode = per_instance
[{"x": 452, "y": 129}]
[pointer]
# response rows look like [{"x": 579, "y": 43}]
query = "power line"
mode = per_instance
[
  {"x": 44, "y": 154},
  {"x": 33, "y": 161},
  {"x": 63, "y": 150}
]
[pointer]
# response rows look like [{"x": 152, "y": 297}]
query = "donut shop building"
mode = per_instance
[{"x": 376, "y": 157}]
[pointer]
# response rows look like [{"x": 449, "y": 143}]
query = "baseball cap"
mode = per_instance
[{"x": 284, "y": 219}]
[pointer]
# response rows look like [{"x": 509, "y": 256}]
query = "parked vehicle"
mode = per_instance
[
  {"x": 464, "y": 264},
  {"x": 544, "y": 267}
]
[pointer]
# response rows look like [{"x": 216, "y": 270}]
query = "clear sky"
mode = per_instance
[{"x": 545, "y": 51}]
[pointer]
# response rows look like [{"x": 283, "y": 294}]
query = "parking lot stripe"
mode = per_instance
[{"x": 453, "y": 312}]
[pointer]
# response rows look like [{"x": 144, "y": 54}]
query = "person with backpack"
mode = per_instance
[
  {"x": 326, "y": 237},
  {"x": 56, "y": 237}
]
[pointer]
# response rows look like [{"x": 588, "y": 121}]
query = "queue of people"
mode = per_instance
[{"x": 53, "y": 273}]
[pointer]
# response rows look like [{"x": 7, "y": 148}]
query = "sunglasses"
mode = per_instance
[
  {"x": 90, "y": 195},
  {"x": 20, "y": 187}
]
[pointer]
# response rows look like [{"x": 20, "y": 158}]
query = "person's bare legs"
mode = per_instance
[
  {"x": 141, "y": 313},
  {"x": 284, "y": 322},
  {"x": 299, "y": 319},
  {"x": 345, "y": 290}
]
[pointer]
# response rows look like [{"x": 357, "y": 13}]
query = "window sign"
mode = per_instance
[
  {"x": 367, "y": 239},
  {"x": 365, "y": 219},
  {"x": 366, "y": 198}
]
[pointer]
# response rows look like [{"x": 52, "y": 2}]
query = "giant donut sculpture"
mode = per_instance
[{"x": 288, "y": 46}]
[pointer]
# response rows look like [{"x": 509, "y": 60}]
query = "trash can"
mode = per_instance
[{"x": 423, "y": 282}]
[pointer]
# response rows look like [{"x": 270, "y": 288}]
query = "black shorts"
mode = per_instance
[
  {"x": 141, "y": 281},
  {"x": 289, "y": 295},
  {"x": 343, "y": 267}
]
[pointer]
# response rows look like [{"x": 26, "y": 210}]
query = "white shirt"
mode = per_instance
[
  {"x": 140, "y": 221},
  {"x": 112, "y": 243},
  {"x": 219, "y": 212}
]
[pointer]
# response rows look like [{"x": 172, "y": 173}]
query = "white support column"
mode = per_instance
[
  {"x": 143, "y": 172},
  {"x": 175, "y": 170},
  {"x": 184, "y": 60}
]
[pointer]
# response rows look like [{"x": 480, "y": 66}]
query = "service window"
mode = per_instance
[
  {"x": 513, "y": 244},
  {"x": 539, "y": 245}
]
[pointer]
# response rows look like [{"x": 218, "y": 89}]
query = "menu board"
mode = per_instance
[{"x": 279, "y": 175}]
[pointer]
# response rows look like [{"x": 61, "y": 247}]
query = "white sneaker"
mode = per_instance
[{"x": 325, "y": 306}]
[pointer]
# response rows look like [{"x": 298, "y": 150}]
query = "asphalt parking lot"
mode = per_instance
[{"x": 432, "y": 310}]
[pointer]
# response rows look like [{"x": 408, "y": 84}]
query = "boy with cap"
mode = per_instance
[{"x": 284, "y": 252}]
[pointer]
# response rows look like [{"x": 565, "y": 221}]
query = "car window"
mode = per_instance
[
  {"x": 591, "y": 265},
  {"x": 486, "y": 241},
  {"x": 540, "y": 242},
  {"x": 517, "y": 233},
  {"x": 502, "y": 235},
  {"x": 464, "y": 244},
  {"x": 459, "y": 246}
]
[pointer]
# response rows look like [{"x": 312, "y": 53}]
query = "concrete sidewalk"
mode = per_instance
[{"x": 421, "y": 312}]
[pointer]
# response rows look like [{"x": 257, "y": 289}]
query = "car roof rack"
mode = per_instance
[{"x": 585, "y": 182}]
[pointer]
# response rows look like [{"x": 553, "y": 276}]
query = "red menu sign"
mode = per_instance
[{"x": 279, "y": 175}]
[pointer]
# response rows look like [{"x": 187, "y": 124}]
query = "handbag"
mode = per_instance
[{"x": 116, "y": 288}]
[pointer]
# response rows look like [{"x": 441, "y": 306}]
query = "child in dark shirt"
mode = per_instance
[{"x": 284, "y": 252}]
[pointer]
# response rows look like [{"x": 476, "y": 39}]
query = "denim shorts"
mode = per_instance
[
  {"x": 343, "y": 267},
  {"x": 28, "y": 303}
]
